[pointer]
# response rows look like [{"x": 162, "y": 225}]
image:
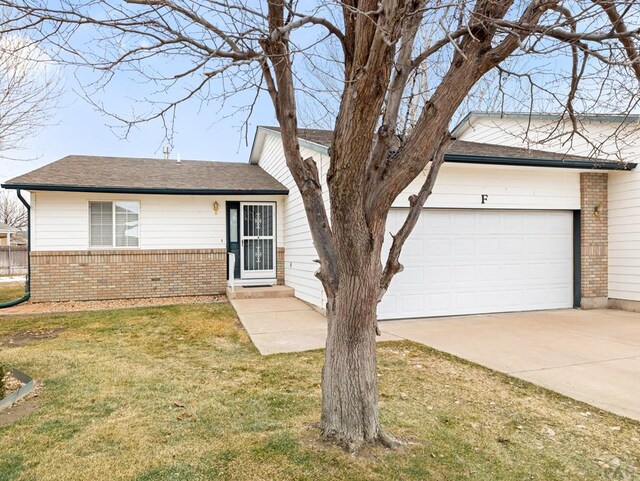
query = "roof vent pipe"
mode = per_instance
[
  {"x": 166, "y": 151},
  {"x": 178, "y": 159}
]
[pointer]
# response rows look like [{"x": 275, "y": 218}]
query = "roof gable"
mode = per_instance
[{"x": 314, "y": 139}]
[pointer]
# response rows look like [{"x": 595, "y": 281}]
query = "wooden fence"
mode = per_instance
[{"x": 13, "y": 260}]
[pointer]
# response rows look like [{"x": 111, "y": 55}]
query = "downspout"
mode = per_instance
[{"x": 27, "y": 284}]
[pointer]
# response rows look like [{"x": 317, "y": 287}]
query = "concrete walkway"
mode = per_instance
[
  {"x": 285, "y": 325},
  {"x": 592, "y": 356}
]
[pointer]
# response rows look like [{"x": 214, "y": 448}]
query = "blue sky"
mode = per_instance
[{"x": 201, "y": 134}]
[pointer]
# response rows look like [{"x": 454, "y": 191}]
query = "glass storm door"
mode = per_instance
[{"x": 258, "y": 238}]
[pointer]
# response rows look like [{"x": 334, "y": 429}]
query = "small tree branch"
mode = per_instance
[
  {"x": 624, "y": 35},
  {"x": 403, "y": 68},
  {"x": 416, "y": 204},
  {"x": 304, "y": 20}
]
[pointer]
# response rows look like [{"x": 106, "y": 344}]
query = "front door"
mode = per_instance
[
  {"x": 258, "y": 240},
  {"x": 233, "y": 235}
]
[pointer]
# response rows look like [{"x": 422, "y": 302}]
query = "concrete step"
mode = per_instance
[{"x": 265, "y": 292}]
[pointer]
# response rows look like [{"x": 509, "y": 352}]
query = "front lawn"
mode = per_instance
[
  {"x": 179, "y": 393},
  {"x": 10, "y": 291}
]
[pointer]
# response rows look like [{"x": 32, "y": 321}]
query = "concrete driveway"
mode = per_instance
[{"x": 592, "y": 356}]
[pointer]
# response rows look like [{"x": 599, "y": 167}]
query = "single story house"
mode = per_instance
[{"x": 510, "y": 226}]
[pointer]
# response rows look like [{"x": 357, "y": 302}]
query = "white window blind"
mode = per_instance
[
  {"x": 101, "y": 216},
  {"x": 114, "y": 224}
]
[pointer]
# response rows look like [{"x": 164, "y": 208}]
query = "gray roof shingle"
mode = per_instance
[
  {"x": 462, "y": 148},
  {"x": 115, "y": 174}
]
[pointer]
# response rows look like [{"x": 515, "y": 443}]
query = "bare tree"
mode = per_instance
[
  {"x": 29, "y": 88},
  {"x": 573, "y": 54},
  {"x": 12, "y": 212}
]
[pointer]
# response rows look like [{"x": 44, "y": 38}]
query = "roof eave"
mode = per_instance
[
  {"x": 533, "y": 162},
  {"x": 474, "y": 114},
  {"x": 262, "y": 131},
  {"x": 256, "y": 146},
  {"x": 463, "y": 125},
  {"x": 142, "y": 190}
]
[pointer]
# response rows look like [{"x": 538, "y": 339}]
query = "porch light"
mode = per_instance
[
  {"x": 597, "y": 210},
  {"x": 215, "y": 207}
]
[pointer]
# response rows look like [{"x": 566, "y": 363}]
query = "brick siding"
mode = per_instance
[
  {"x": 280, "y": 265},
  {"x": 594, "y": 239},
  {"x": 117, "y": 274}
]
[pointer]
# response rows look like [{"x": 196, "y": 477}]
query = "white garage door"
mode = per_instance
[{"x": 481, "y": 261}]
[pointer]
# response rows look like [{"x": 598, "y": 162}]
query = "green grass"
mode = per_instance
[
  {"x": 111, "y": 380},
  {"x": 10, "y": 291}
]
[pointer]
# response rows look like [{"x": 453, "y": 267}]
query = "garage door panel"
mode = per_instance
[
  {"x": 488, "y": 247},
  {"x": 537, "y": 271},
  {"x": 489, "y": 273},
  {"x": 555, "y": 248},
  {"x": 464, "y": 247},
  {"x": 439, "y": 223},
  {"x": 557, "y": 272},
  {"x": 437, "y": 247},
  {"x": 512, "y": 271},
  {"x": 512, "y": 247},
  {"x": 464, "y": 274},
  {"x": 535, "y": 247},
  {"x": 466, "y": 262},
  {"x": 557, "y": 223},
  {"x": 465, "y": 300},
  {"x": 512, "y": 224},
  {"x": 463, "y": 222},
  {"x": 415, "y": 247},
  {"x": 438, "y": 274},
  {"x": 414, "y": 275},
  {"x": 489, "y": 224},
  {"x": 438, "y": 301},
  {"x": 537, "y": 224}
]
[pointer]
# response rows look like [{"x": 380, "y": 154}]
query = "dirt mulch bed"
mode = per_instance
[
  {"x": 22, "y": 407},
  {"x": 27, "y": 308},
  {"x": 19, "y": 410},
  {"x": 22, "y": 338}
]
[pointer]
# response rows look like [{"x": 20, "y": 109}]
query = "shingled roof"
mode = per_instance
[
  {"x": 143, "y": 175},
  {"x": 462, "y": 151}
]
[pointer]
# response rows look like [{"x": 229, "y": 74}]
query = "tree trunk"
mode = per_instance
[{"x": 349, "y": 376}]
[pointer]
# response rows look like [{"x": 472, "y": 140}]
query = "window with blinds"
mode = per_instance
[{"x": 114, "y": 224}]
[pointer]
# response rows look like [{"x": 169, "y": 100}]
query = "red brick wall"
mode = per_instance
[
  {"x": 117, "y": 274},
  {"x": 594, "y": 239}
]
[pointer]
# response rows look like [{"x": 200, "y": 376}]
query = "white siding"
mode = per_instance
[
  {"x": 462, "y": 185},
  {"x": 299, "y": 250},
  {"x": 458, "y": 186},
  {"x": 609, "y": 140},
  {"x": 61, "y": 220},
  {"x": 617, "y": 141},
  {"x": 624, "y": 235}
]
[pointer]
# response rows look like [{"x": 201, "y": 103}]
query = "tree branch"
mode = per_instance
[
  {"x": 304, "y": 171},
  {"x": 624, "y": 35},
  {"x": 416, "y": 204}
]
